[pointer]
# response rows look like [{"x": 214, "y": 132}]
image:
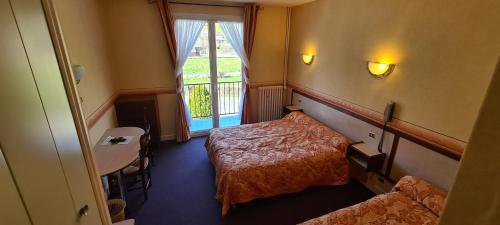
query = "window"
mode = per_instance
[{"x": 212, "y": 78}]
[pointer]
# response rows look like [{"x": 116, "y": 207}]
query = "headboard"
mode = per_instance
[{"x": 411, "y": 150}]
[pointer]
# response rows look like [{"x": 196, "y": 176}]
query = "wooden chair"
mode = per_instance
[
  {"x": 140, "y": 170},
  {"x": 147, "y": 132}
]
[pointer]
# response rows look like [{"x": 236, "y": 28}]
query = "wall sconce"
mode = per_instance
[
  {"x": 380, "y": 70},
  {"x": 78, "y": 72},
  {"x": 308, "y": 58}
]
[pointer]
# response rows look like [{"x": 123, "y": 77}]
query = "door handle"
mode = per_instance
[{"x": 84, "y": 211}]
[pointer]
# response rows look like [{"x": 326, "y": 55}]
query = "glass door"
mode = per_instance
[
  {"x": 229, "y": 80},
  {"x": 198, "y": 84},
  {"x": 213, "y": 81}
]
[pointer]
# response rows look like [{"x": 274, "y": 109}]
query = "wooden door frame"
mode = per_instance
[{"x": 76, "y": 109}]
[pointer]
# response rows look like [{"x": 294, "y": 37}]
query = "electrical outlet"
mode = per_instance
[{"x": 372, "y": 135}]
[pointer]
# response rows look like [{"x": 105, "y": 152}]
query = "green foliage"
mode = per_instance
[
  {"x": 229, "y": 65},
  {"x": 199, "y": 101},
  {"x": 196, "y": 66}
]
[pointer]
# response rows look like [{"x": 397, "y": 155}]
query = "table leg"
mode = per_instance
[
  {"x": 122, "y": 185},
  {"x": 105, "y": 185}
]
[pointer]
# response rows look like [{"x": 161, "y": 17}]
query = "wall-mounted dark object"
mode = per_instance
[
  {"x": 388, "y": 114},
  {"x": 389, "y": 111},
  {"x": 132, "y": 110}
]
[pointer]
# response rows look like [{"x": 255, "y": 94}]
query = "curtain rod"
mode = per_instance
[{"x": 199, "y": 4}]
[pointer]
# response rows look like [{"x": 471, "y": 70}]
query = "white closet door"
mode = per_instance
[
  {"x": 11, "y": 207},
  {"x": 37, "y": 41},
  {"x": 37, "y": 133}
]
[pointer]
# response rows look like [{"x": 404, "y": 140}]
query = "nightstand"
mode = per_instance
[
  {"x": 291, "y": 108},
  {"x": 364, "y": 159}
]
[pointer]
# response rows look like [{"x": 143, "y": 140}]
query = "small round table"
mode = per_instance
[{"x": 112, "y": 158}]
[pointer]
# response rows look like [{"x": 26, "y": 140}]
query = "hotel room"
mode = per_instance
[{"x": 187, "y": 112}]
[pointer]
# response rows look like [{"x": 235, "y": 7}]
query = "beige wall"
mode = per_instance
[
  {"x": 268, "y": 55},
  {"x": 445, "y": 53},
  {"x": 138, "y": 51},
  {"x": 476, "y": 193},
  {"x": 81, "y": 23}
]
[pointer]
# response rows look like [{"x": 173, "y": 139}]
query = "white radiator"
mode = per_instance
[{"x": 270, "y": 103}]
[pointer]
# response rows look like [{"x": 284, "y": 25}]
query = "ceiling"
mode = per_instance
[{"x": 266, "y": 2}]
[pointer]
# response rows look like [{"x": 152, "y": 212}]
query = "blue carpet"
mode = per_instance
[{"x": 183, "y": 193}]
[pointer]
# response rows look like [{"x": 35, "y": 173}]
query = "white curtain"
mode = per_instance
[
  {"x": 186, "y": 34},
  {"x": 234, "y": 34}
]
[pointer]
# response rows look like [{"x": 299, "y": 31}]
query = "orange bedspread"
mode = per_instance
[
  {"x": 412, "y": 202},
  {"x": 271, "y": 158}
]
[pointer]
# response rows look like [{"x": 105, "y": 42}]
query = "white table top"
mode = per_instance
[
  {"x": 293, "y": 107},
  {"x": 112, "y": 158},
  {"x": 365, "y": 149}
]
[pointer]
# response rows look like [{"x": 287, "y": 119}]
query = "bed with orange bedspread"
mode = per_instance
[
  {"x": 411, "y": 202},
  {"x": 276, "y": 157}
]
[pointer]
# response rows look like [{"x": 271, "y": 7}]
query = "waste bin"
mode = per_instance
[{"x": 117, "y": 209}]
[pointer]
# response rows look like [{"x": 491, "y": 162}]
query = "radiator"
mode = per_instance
[{"x": 270, "y": 103}]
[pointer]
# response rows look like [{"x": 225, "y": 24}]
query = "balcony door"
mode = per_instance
[{"x": 213, "y": 81}]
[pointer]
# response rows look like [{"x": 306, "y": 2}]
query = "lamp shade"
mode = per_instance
[
  {"x": 380, "y": 69},
  {"x": 308, "y": 58},
  {"x": 78, "y": 72}
]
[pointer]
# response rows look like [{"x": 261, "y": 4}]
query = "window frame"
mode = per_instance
[{"x": 211, "y": 19}]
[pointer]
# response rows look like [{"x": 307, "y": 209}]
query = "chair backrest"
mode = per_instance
[
  {"x": 147, "y": 129},
  {"x": 147, "y": 132},
  {"x": 144, "y": 151}
]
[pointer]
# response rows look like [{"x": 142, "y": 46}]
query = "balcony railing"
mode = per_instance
[{"x": 198, "y": 98}]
